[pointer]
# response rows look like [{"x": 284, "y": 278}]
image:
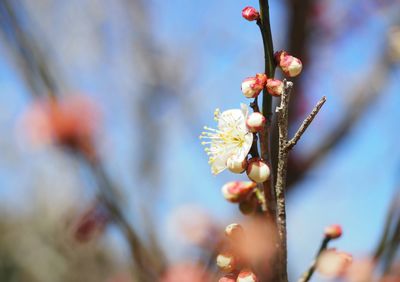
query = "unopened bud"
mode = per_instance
[
  {"x": 235, "y": 165},
  {"x": 279, "y": 55},
  {"x": 237, "y": 191},
  {"x": 226, "y": 262},
  {"x": 334, "y": 231},
  {"x": 257, "y": 170},
  {"x": 234, "y": 231},
  {"x": 228, "y": 278},
  {"x": 247, "y": 276},
  {"x": 291, "y": 66},
  {"x": 255, "y": 122},
  {"x": 252, "y": 86},
  {"x": 275, "y": 87},
  {"x": 250, "y": 14},
  {"x": 332, "y": 263}
]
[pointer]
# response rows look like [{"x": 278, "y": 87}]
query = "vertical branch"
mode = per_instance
[
  {"x": 283, "y": 120},
  {"x": 285, "y": 145},
  {"x": 265, "y": 28},
  {"x": 265, "y": 134}
]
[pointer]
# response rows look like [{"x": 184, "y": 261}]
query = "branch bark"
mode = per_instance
[
  {"x": 283, "y": 121},
  {"x": 285, "y": 145}
]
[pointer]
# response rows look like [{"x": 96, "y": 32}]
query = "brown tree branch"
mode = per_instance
[
  {"x": 283, "y": 121},
  {"x": 284, "y": 148}
]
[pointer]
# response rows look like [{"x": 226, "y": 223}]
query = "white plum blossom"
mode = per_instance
[{"x": 232, "y": 139}]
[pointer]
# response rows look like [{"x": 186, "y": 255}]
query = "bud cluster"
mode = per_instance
[{"x": 231, "y": 263}]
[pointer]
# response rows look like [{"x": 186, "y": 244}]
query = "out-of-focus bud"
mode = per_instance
[
  {"x": 250, "y": 13},
  {"x": 255, "y": 122},
  {"x": 228, "y": 278},
  {"x": 235, "y": 165},
  {"x": 249, "y": 205},
  {"x": 361, "y": 271},
  {"x": 91, "y": 224},
  {"x": 274, "y": 87},
  {"x": 252, "y": 86},
  {"x": 257, "y": 170},
  {"x": 182, "y": 272},
  {"x": 247, "y": 276},
  {"x": 333, "y": 231},
  {"x": 234, "y": 231},
  {"x": 237, "y": 191},
  {"x": 226, "y": 262},
  {"x": 192, "y": 224},
  {"x": 332, "y": 263},
  {"x": 291, "y": 66},
  {"x": 71, "y": 122}
]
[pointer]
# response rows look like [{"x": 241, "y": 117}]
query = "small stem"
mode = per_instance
[
  {"x": 310, "y": 271},
  {"x": 306, "y": 123},
  {"x": 108, "y": 195}
]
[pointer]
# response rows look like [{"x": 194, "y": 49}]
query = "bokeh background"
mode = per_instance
[{"x": 155, "y": 71}]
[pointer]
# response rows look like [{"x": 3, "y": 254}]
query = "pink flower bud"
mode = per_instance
[
  {"x": 228, "y": 278},
  {"x": 234, "y": 231},
  {"x": 255, "y": 122},
  {"x": 235, "y": 165},
  {"x": 332, "y": 263},
  {"x": 183, "y": 271},
  {"x": 236, "y": 191},
  {"x": 252, "y": 86},
  {"x": 291, "y": 66},
  {"x": 334, "y": 231},
  {"x": 257, "y": 170},
  {"x": 274, "y": 87},
  {"x": 279, "y": 55},
  {"x": 250, "y": 14},
  {"x": 226, "y": 262},
  {"x": 247, "y": 276}
]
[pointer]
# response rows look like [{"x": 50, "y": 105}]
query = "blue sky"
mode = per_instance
[{"x": 351, "y": 186}]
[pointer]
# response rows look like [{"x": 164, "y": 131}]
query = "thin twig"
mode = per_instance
[
  {"x": 387, "y": 230},
  {"x": 138, "y": 252},
  {"x": 310, "y": 271},
  {"x": 305, "y": 124},
  {"x": 365, "y": 95}
]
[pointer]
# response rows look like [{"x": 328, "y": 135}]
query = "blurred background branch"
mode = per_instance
[{"x": 155, "y": 80}]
